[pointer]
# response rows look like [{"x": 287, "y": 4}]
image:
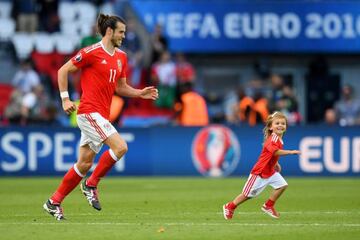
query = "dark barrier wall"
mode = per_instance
[{"x": 165, "y": 151}]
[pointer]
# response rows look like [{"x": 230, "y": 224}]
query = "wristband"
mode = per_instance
[{"x": 64, "y": 94}]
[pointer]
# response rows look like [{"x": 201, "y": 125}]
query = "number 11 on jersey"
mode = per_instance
[{"x": 112, "y": 75}]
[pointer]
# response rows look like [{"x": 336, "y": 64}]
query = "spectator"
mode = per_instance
[
  {"x": 163, "y": 75},
  {"x": 191, "y": 109},
  {"x": 348, "y": 108},
  {"x": 330, "y": 117},
  {"x": 184, "y": 70},
  {"x": 276, "y": 90},
  {"x": 215, "y": 107},
  {"x": 230, "y": 103},
  {"x": 135, "y": 57},
  {"x": 49, "y": 19},
  {"x": 244, "y": 107},
  {"x": 25, "y": 78},
  {"x": 288, "y": 105},
  {"x": 33, "y": 106},
  {"x": 25, "y": 13},
  {"x": 159, "y": 43},
  {"x": 259, "y": 111},
  {"x": 13, "y": 109}
]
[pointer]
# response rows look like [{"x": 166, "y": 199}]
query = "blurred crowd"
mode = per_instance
[
  {"x": 346, "y": 111},
  {"x": 32, "y": 97}
]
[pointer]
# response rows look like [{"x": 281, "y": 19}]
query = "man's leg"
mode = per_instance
[
  {"x": 118, "y": 148},
  {"x": 71, "y": 179}
]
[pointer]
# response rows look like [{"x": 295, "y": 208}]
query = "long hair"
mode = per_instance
[
  {"x": 267, "y": 132},
  {"x": 105, "y": 21}
]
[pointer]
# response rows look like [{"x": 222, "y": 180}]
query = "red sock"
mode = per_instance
[
  {"x": 106, "y": 162},
  {"x": 69, "y": 182},
  {"x": 269, "y": 203},
  {"x": 231, "y": 205}
]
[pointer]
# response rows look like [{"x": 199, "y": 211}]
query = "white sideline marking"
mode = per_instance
[
  {"x": 350, "y": 212},
  {"x": 356, "y": 225}
]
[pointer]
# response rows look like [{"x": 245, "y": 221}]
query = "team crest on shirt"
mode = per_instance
[
  {"x": 78, "y": 57},
  {"x": 119, "y": 65}
]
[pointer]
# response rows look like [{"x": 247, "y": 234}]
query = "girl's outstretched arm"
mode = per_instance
[{"x": 281, "y": 152}]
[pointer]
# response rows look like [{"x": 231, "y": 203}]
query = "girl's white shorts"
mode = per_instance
[{"x": 256, "y": 184}]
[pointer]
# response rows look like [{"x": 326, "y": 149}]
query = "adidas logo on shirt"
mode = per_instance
[{"x": 103, "y": 61}]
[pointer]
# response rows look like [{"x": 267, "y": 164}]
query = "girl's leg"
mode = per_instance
[
  {"x": 278, "y": 183},
  {"x": 240, "y": 199},
  {"x": 277, "y": 193},
  {"x": 229, "y": 208},
  {"x": 268, "y": 207}
]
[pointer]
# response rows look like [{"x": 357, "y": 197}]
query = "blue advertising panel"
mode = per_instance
[
  {"x": 252, "y": 27},
  {"x": 214, "y": 151}
]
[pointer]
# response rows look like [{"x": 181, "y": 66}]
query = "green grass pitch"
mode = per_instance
[{"x": 181, "y": 208}]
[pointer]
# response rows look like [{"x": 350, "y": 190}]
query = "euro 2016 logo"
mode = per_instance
[{"x": 215, "y": 151}]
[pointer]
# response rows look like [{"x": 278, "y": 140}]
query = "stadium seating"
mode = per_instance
[
  {"x": 23, "y": 43},
  {"x": 66, "y": 11},
  {"x": 44, "y": 43},
  {"x": 5, "y": 9},
  {"x": 69, "y": 28},
  {"x": 42, "y": 61},
  {"x": 86, "y": 29},
  {"x": 64, "y": 45},
  {"x": 49, "y": 51},
  {"x": 7, "y": 28},
  {"x": 107, "y": 8},
  {"x": 86, "y": 12}
]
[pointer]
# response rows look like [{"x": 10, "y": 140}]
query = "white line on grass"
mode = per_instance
[
  {"x": 356, "y": 225},
  {"x": 351, "y": 212}
]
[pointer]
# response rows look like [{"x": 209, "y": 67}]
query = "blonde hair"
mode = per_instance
[{"x": 267, "y": 132}]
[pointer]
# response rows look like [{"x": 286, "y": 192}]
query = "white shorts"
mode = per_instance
[
  {"x": 256, "y": 184},
  {"x": 94, "y": 130}
]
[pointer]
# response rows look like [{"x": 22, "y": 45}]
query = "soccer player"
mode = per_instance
[
  {"x": 267, "y": 169},
  {"x": 103, "y": 68}
]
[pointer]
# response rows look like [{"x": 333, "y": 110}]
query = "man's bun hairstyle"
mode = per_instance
[{"x": 104, "y": 21}]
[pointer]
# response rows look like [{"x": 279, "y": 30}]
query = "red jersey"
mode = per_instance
[
  {"x": 265, "y": 166},
  {"x": 101, "y": 71}
]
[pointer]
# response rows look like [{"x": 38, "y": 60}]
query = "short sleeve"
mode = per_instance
[
  {"x": 272, "y": 146},
  {"x": 81, "y": 59}
]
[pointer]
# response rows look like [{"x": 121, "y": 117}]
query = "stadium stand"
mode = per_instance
[{"x": 49, "y": 50}]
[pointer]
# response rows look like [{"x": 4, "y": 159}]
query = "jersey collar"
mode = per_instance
[
  {"x": 279, "y": 138},
  {"x": 102, "y": 45}
]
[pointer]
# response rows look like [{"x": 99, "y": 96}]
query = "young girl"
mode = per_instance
[{"x": 267, "y": 169}]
